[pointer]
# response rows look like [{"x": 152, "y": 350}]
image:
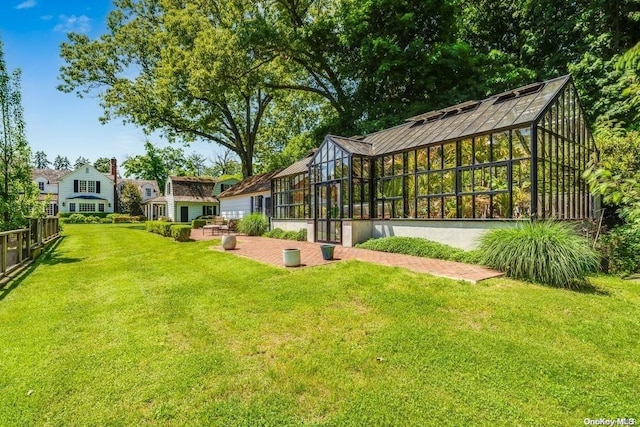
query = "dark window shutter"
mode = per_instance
[
  {"x": 204, "y": 210},
  {"x": 75, "y": 185},
  {"x": 215, "y": 210},
  {"x": 260, "y": 202},
  {"x": 251, "y": 204},
  {"x": 98, "y": 187}
]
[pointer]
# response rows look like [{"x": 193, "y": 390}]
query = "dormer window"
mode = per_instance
[
  {"x": 148, "y": 192},
  {"x": 41, "y": 185}
]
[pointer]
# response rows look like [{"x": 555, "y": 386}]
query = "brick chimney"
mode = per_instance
[{"x": 114, "y": 174}]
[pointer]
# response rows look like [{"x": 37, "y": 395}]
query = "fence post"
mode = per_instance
[
  {"x": 40, "y": 231},
  {"x": 19, "y": 247},
  {"x": 3, "y": 255}
]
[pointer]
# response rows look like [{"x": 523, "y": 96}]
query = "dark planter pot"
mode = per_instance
[{"x": 327, "y": 252}]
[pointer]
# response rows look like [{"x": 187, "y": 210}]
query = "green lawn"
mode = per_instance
[{"x": 118, "y": 326}]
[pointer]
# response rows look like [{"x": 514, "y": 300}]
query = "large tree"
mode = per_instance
[
  {"x": 156, "y": 164},
  {"x": 130, "y": 199},
  {"x": 188, "y": 71},
  {"x": 80, "y": 161},
  {"x": 61, "y": 163},
  {"x": 40, "y": 160},
  {"x": 18, "y": 192},
  {"x": 103, "y": 164}
]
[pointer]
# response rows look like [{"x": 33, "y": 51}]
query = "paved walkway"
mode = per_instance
[{"x": 270, "y": 251}]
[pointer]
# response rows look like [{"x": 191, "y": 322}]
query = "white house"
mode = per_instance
[
  {"x": 190, "y": 197},
  {"x": 248, "y": 196},
  {"x": 87, "y": 190},
  {"x": 47, "y": 180}
]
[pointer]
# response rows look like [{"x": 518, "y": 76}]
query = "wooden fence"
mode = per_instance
[{"x": 18, "y": 247}]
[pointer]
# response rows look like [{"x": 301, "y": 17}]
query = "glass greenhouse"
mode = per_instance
[{"x": 516, "y": 155}]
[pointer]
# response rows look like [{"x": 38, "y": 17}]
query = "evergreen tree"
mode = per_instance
[
  {"x": 81, "y": 161},
  {"x": 61, "y": 163},
  {"x": 18, "y": 192},
  {"x": 130, "y": 199},
  {"x": 40, "y": 160}
]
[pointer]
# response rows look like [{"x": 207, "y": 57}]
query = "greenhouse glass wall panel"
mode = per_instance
[{"x": 516, "y": 155}]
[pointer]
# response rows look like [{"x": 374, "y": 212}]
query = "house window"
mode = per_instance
[
  {"x": 208, "y": 210},
  {"x": 100, "y": 207},
  {"x": 91, "y": 186},
  {"x": 72, "y": 207},
  {"x": 82, "y": 186},
  {"x": 148, "y": 192},
  {"x": 41, "y": 185},
  {"x": 168, "y": 188},
  {"x": 86, "y": 207},
  {"x": 50, "y": 209}
]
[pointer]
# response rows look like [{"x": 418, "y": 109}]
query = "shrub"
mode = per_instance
[
  {"x": 92, "y": 219},
  {"x": 290, "y": 235},
  {"x": 546, "y": 252},
  {"x": 414, "y": 246},
  {"x": 253, "y": 225},
  {"x": 164, "y": 219},
  {"x": 621, "y": 248},
  {"x": 159, "y": 227},
  {"x": 76, "y": 218},
  {"x": 181, "y": 233},
  {"x": 198, "y": 223},
  {"x": 302, "y": 235},
  {"x": 106, "y": 220},
  {"x": 276, "y": 233}
]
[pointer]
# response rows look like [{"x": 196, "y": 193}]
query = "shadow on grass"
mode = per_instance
[
  {"x": 46, "y": 258},
  {"x": 51, "y": 257}
]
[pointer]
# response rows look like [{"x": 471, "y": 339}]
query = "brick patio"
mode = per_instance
[{"x": 270, "y": 251}]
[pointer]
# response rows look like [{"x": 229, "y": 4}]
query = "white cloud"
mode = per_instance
[
  {"x": 46, "y": 17},
  {"x": 73, "y": 23},
  {"x": 26, "y": 4}
]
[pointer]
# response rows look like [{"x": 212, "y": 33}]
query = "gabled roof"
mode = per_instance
[
  {"x": 253, "y": 184},
  {"x": 193, "y": 189},
  {"x": 139, "y": 183},
  {"x": 298, "y": 167},
  {"x": 354, "y": 146},
  {"x": 515, "y": 108},
  {"x": 52, "y": 175}
]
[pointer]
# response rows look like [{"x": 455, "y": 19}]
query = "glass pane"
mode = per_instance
[
  {"x": 449, "y": 155},
  {"x": 482, "y": 145},
  {"x": 481, "y": 179},
  {"x": 397, "y": 187},
  {"x": 357, "y": 167},
  {"x": 388, "y": 165},
  {"x": 500, "y": 146},
  {"x": 499, "y": 178},
  {"x": 482, "y": 202},
  {"x": 521, "y": 143},
  {"x": 411, "y": 162},
  {"x": 422, "y": 160},
  {"x": 466, "y": 152},
  {"x": 466, "y": 177},
  {"x": 467, "y": 206},
  {"x": 435, "y": 157},
  {"x": 398, "y": 164},
  {"x": 423, "y": 208},
  {"x": 449, "y": 182},
  {"x": 501, "y": 204},
  {"x": 450, "y": 207},
  {"x": 435, "y": 207},
  {"x": 435, "y": 183},
  {"x": 423, "y": 182},
  {"x": 398, "y": 208},
  {"x": 365, "y": 168}
]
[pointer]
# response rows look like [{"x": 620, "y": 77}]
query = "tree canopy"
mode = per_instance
[
  {"x": 268, "y": 79},
  {"x": 18, "y": 192}
]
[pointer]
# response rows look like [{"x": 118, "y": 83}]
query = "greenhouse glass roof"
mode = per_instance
[{"x": 515, "y": 108}]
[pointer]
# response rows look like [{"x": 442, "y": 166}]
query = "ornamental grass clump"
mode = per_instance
[
  {"x": 253, "y": 225},
  {"x": 550, "y": 253}
]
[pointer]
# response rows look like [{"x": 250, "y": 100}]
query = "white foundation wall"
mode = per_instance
[
  {"x": 459, "y": 234},
  {"x": 288, "y": 224}
]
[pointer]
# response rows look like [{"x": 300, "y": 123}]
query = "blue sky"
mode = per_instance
[{"x": 56, "y": 122}]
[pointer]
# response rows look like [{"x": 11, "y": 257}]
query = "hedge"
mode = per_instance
[{"x": 181, "y": 233}]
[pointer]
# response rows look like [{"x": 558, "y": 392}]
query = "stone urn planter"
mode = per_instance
[
  {"x": 291, "y": 257},
  {"x": 228, "y": 242},
  {"x": 327, "y": 252}
]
